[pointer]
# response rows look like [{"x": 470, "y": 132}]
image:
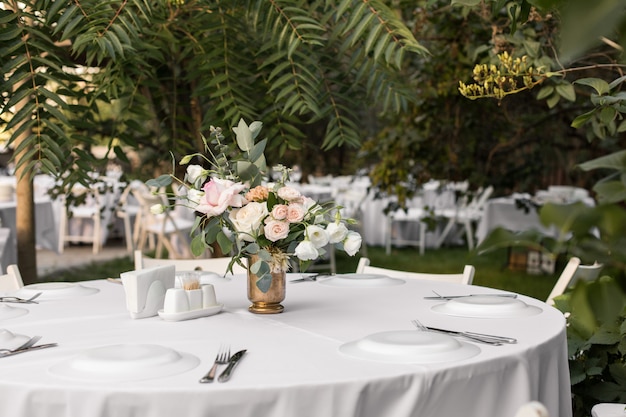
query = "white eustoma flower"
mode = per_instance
[
  {"x": 317, "y": 236},
  {"x": 337, "y": 232},
  {"x": 352, "y": 243},
  {"x": 196, "y": 175},
  {"x": 306, "y": 251}
]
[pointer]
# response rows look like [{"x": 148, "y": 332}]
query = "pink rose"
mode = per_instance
[
  {"x": 295, "y": 213},
  {"x": 275, "y": 230},
  {"x": 279, "y": 212},
  {"x": 219, "y": 195}
]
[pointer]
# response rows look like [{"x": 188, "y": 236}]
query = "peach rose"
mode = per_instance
[{"x": 275, "y": 230}]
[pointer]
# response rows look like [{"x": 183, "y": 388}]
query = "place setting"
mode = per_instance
[
  {"x": 13, "y": 343},
  {"x": 424, "y": 345},
  {"x": 8, "y": 311},
  {"x": 490, "y": 305},
  {"x": 361, "y": 280},
  {"x": 54, "y": 290}
]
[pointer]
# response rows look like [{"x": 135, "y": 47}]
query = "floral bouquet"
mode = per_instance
[{"x": 243, "y": 213}]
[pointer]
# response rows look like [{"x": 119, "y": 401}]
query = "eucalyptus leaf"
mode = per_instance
[{"x": 264, "y": 282}]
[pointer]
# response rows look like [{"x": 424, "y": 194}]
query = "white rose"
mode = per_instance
[
  {"x": 289, "y": 193},
  {"x": 317, "y": 236},
  {"x": 248, "y": 219},
  {"x": 306, "y": 251},
  {"x": 337, "y": 232},
  {"x": 195, "y": 173},
  {"x": 352, "y": 243},
  {"x": 157, "y": 209}
]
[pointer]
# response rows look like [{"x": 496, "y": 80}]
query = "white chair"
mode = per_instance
[
  {"x": 90, "y": 210},
  {"x": 434, "y": 197},
  {"x": 564, "y": 280},
  {"x": 465, "y": 215},
  {"x": 573, "y": 272},
  {"x": 463, "y": 278},
  {"x": 608, "y": 410},
  {"x": 169, "y": 230},
  {"x": 217, "y": 265},
  {"x": 12, "y": 280},
  {"x": 129, "y": 210}
]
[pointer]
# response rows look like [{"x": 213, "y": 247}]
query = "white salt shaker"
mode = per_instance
[
  {"x": 175, "y": 301},
  {"x": 208, "y": 296}
]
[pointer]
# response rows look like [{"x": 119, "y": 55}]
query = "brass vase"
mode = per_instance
[{"x": 266, "y": 302}]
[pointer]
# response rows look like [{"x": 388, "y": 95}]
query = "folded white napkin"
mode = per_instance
[{"x": 145, "y": 289}]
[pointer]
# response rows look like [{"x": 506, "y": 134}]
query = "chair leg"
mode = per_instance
[
  {"x": 97, "y": 239},
  {"x": 128, "y": 234},
  {"x": 469, "y": 234},
  {"x": 445, "y": 233},
  {"x": 62, "y": 230},
  {"x": 388, "y": 232},
  {"x": 422, "y": 241}
]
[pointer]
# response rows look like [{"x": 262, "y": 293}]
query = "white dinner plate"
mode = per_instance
[
  {"x": 9, "y": 312},
  {"x": 361, "y": 280},
  {"x": 486, "y": 307},
  {"x": 191, "y": 314},
  {"x": 10, "y": 340},
  {"x": 125, "y": 362},
  {"x": 410, "y": 346},
  {"x": 55, "y": 290}
]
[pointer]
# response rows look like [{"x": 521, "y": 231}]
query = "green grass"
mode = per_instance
[{"x": 491, "y": 269}]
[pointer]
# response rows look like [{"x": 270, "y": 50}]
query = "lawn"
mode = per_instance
[{"x": 491, "y": 269}]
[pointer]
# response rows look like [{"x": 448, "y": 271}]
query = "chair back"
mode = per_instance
[
  {"x": 217, "y": 265},
  {"x": 12, "y": 280},
  {"x": 564, "y": 279},
  {"x": 466, "y": 277}
]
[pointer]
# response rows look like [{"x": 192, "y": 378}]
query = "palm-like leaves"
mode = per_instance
[{"x": 187, "y": 64}]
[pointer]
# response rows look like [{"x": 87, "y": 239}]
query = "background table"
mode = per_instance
[{"x": 293, "y": 366}]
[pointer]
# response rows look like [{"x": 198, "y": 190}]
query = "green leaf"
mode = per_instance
[
  {"x": 566, "y": 91},
  {"x": 601, "y": 86},
  {"x": 582, "y": 119},
  {"x": 545, "y": 92},
  {"x": 161, "y": 181},
  {"x": 467, "y": 3},
  {"x": 553, "y": 100}
]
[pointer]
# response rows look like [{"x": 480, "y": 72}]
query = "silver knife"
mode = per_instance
[
  {"x": 450, "y": 297},
  {"x": 27, "y": 349},
  {"x": 479, "y": 337},
  {"x": 234, "y": 360}
]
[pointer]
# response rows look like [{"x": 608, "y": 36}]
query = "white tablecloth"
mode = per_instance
[
  {"x": 293, "y": 366},
  {"x": 46, "y": 232},
  {"x": 504, "y": 212}
]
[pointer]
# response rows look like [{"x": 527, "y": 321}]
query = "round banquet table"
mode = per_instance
[{"x": 293, "y": 365}]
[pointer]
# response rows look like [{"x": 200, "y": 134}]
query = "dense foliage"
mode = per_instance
[{"x": 165, "y": 70}]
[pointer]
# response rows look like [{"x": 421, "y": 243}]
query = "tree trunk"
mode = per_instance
[
  {"x": 25, "y": 226},
  {"x": 25, "y": 211}
]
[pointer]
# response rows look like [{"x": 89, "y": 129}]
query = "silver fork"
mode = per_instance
[
  {"x": 11, "y": 299},
  {"x": 222, "y": 358}
]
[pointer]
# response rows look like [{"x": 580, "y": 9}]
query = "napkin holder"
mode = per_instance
[{"x": 145, "y": 289}]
